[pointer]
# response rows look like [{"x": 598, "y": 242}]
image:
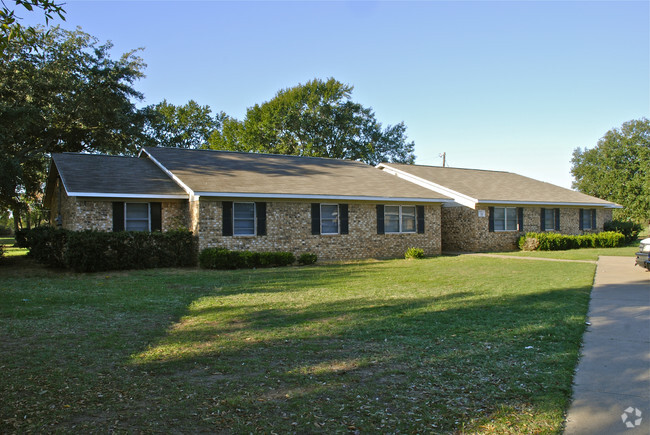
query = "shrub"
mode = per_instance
[
  {"x": 2, "y": 251},
  {"x": 629, "y": 229},
  {"x": 307, "y": 259},
  {"x": 414, "y": 253},
  {"x": 92, "y": 251},
  {"x": 221, "y": 258},
  {"x": 561, "y": 242}
]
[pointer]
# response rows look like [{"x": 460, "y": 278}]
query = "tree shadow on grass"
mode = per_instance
[{"x": 266, "y": 351}]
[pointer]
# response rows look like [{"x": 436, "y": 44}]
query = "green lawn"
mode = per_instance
[
  {"x": 578, "y": 254},
  {"x": 448, "y": 344},
  {"x": 8, "y": 246}
]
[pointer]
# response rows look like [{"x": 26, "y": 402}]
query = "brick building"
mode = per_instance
[
  {"x": 334, "y": 208},
  {"x": 491, "y": 209}
]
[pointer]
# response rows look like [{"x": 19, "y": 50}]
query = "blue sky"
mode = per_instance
[{"x": 513, "y": 86}]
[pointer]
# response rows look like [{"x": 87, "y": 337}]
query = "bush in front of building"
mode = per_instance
[
  {"x": 414, "y": 253},
  {"x": 307, "y": 259},
  {"x": 221, "y": 258},
  {"x": 629, "y": 229},
  {"x": 563, "y": 242},
  {"x": 94, "y": 251}
]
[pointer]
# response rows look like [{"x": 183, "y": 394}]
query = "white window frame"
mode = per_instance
[
  {"x": 505, "y": 220},
  {"x": 126, "y": 219},
  {"x": 234, "y": 227},
  {"x": 401, "y": 220},
  {"x": 337, "y": 219},
  {"x": 546, "y": 225}
]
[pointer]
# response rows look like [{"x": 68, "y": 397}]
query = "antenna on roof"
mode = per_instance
[{"x": 444, "y": 158}]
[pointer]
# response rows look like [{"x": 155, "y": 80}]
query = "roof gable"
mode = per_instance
[
  {"x": 228, "y": 173},
  {"x": 113, "y": 176},
  {"x": 473, "y": 186}
]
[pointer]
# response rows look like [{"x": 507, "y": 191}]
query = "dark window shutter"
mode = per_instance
[
  {"x": 520, "y": 219},
  {"x": 315, "y": 218},
  {"x": 419, "y": 212},
  {"x": 582, "y": 219},
  {"x": 491, "y": 219},
  {"x": 118, "y": 216},
  {"x": 156, "y": 216},
  {"x": 226, "y": 227},
  {"x": 380, "y": 219},
  {"x": 557, "y": 219},
  {"x": 542, "y": 220},
  {"x": 593, "y": 219},
  {"x": 260, "y": 212},
  {"x": 343, "y": 218}
]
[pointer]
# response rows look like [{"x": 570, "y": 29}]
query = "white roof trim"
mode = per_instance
[
  {"x": 458, "y": 197},
  {"x": 325, "y": 197},
  {"x": 125, "y": 195},
  {"x": 472, "y": 202},
  {"x": 169, "y": 173},
  {"x": 574, "y": 204}
]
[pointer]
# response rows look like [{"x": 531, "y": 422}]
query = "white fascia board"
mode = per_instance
[
  {"x": 460, "y": 198},
  {"x": 125, "y": 195},
  {"x": 177, "y": 180},
  {"x": 565, "y": 204},
  {"x": 321, "y": 197}
]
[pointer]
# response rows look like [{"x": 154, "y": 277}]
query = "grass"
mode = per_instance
[
  {"x": 448, "y": 344},
  {"x": 577, "y": 254},
  {"x": 9, "y": 249}
]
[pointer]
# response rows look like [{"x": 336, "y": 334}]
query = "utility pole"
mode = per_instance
[{"x": 444, "y": 158}]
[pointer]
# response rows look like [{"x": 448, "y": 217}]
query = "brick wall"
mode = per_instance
[
  {"x": 289, "y": 229},
  {"x": 464, "y": 231},
  {"x": 80, "y": 213}
]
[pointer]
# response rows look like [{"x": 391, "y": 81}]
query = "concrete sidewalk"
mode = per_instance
[{"x": 613, "y": 374}]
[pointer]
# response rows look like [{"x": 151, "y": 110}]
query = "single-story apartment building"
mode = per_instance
[
  {"x": 337, "y": 209},
  {"x": 492, "y": 209}
]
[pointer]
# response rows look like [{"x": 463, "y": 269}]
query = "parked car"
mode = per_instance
[{"x": 643, "y": 256}]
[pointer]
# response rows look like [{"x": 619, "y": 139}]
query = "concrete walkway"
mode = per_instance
[{"x": 613, "y": 374}]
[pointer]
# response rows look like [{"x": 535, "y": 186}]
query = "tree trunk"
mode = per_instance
[{"x": 17, "y": 223}]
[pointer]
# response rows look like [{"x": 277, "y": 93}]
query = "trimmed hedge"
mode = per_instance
[
  {"x": 307, "y": 259},
  {"x": 93, "y": 251},
  {"x": 221, "y": 258},
  {"x": 629, "y": 229},
  {"x": 562, "y": 242}
]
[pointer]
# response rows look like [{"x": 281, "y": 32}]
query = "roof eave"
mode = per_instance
[{"x": 318, "y": 196}]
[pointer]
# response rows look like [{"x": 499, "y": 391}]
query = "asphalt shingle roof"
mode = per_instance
[
  {"x": 93, "y": 173},
  {"x": 486, "y": 186},
  {"x": 218, "y": 172}
]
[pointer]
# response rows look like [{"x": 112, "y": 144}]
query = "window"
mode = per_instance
[
  {"x": 243, "y": 218},
  {"x": 137, "y": 216},
  {"x": 505, "y": 219},
  {"x": 329, "y": 219},
  {"x": 549, "y": 219},
  {"x": 399, "y": 219},
  {"x": 588, "y": 219}
]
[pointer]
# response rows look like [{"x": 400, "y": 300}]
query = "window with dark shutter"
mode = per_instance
[
  {"x": 542, "y": 220},
  {"x": 420, "y": 218},
  {"x": 343, "y": 218},
  {"x": 557, "y": 219},
  {"x": 593, "y": 219},
  {"x": 315, "y": 218},
  {"x": 118, "y": 216},
  {"x": 380, "y": 219},
  {"x": 491, "y": 219},
  {"x": 581, "y": 216},
  {"x": 156, "y": 216},
  {"x": 226, "y": 225},
  {"x": 260, "y": 208}
]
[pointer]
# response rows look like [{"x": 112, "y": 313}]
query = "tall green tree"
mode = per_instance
[
  {"x": 10, "y": 27},
  {"x": 618, "y": 169},
  {"x": 318, "y": 119},
  {"x": 186, "y": 126},
  {"x": 67, "y": 95}
]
